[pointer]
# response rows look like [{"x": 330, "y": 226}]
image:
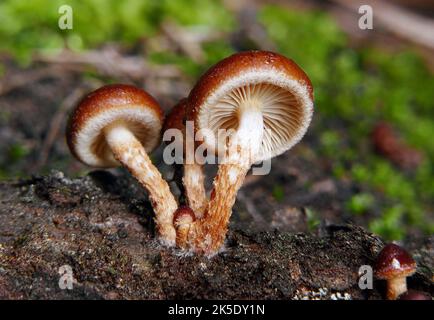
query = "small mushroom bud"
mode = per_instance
[
  {"x": 119, "y": 124},
  {"x": 394, "y": 265},
  {"x": 266, "y": 100},
  {"x": 193, "y": 175},
  {"x": 182, "y": 220},
  {"x": 414, "y": 295}
]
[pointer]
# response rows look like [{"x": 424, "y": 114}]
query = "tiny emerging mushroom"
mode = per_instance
[
  {"x": 414, "y": 295},
  {"x": 193, "y": 175},
  {"x": 119, "y": 124},
  {"x": 182, "y": 220},
  {"x": 394, "y": 265},
  {"x": 267, "y": 102}
]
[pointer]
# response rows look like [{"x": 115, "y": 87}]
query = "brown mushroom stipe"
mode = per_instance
[
  {"x": 182, "y": 220},
  {"x": 194, "y": 177},
  {"x": 394, "y": 265},
  {"x": 267, "y": 100},
  {"x": 118, "y": 124}
]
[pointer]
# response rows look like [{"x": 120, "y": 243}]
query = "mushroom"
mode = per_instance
[
  {"x": 394, "y": 265},
  {"x": 193, "y": 176},
  {"x": 118, "y": 124},
  {"x": 267, "y": 102},
  {"x": 414, "y": 295},
  {"x": 182, "y": 220}
]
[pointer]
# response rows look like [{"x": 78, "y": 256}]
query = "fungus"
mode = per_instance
[
  {"x": 414, "y": 295},
  {"x": 267, "y": 102},
  {"x": 394, "y": 265},
  {"x": 118, "y": 124},
  {"x": 182, "y": 220},
  {"x": 193, "y": 176}
]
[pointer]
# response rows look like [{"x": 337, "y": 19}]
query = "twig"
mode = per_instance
[
  {"x": 183, "y": 41},
  {"x": 22, "y": 78},
  {"x": 108, "y": 62},
  {"x": 249, "y": 26},
  {"x": 189, "y": 40},
  {"x": 401, "y": 22},
  {"x": 111, "y": 63}
]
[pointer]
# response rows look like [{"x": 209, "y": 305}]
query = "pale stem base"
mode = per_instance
[
  {"x": 182, "y": 227},
  {"x": 396, "y": 287}
]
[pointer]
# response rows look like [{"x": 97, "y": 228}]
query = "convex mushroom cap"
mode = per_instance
[
  {"x": 106, "y": 106},
  {"x": 415, "y": 295},
  {"x": 393, "y": 262},
  {"x": 260, "y": 81},
  {"x": 183, "y": 215}
]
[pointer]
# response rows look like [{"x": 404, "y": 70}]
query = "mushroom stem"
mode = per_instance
[
  {"x": 194, "y": 177},
  {"x": 131, "y": 153},
  {"x": 194, "y": 186},
  {"x": 396, "y": 287},
  {"x": 209, "y": 232},
  {"x": 182, "y": 229}
]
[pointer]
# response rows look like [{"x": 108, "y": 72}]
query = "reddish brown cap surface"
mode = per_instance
[
  {"x": 239, "y": 63},
  {"x": 414, "y": 295},
  {"x": 104, "y": 106},
  {"x": 284, "y": 84},
  {"x": 393, "y": 261},
  {"x": 176, "y": 118},
  {"x": 183, "y": 215}
]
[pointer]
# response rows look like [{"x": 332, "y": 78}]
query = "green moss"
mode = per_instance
[
  {"x": 360, "y": 203},
  {"x": 16, "y": 152},
  {"x": 5, "y": 116},
  {"x": 213, "y": 52},
  {"x": 29, "y": 26},
  {"x": 278, "y": 193},
  {"x": 389, "y": 225},
  {"x": 312, "y": 219},
  {"x": 186, "y": 65},
  {"x": 330, "y": 141}
]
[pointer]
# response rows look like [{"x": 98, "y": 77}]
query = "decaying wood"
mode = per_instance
[{"x": 101, "y": 226}]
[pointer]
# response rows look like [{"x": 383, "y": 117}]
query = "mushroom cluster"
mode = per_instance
[{"x": 262, "y": 101}]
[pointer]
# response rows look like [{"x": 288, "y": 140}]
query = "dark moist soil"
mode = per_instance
[{"x": 101, "y": 226}]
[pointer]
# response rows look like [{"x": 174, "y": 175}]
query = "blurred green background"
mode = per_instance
[{"x": 356, "y": 87}]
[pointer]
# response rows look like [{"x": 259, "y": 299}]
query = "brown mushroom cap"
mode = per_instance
[
  {"x": 393, "y": 261},
  {"x": 415, "y": 295},
  {"x": 176, "y": 118},
  {"x": 272, "y": 82},
  {"x": 117, "y": 103},
  {"x": 183, "y": 215}
]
